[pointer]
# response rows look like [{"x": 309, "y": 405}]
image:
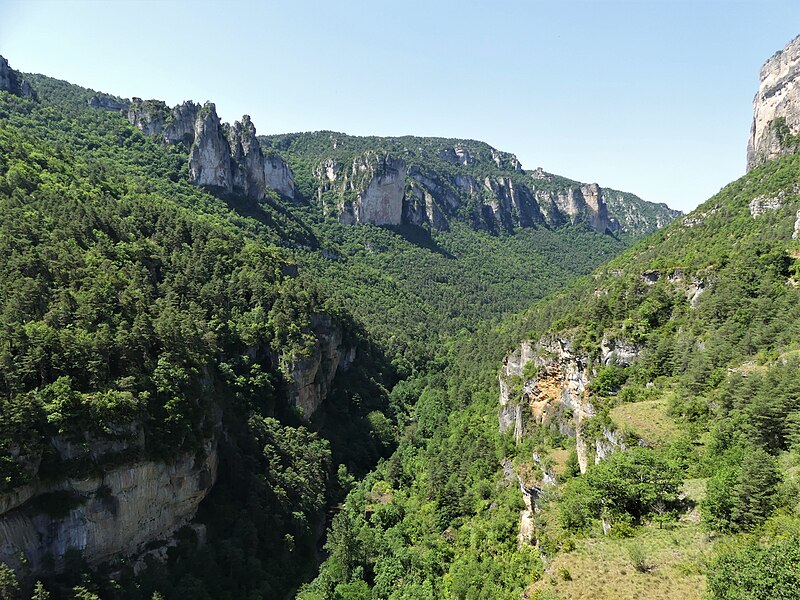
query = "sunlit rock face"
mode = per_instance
[
  {"x": 210, "y": 156},
  {"x": 547, "y": 383},
  {"x": 223, "y": 158},
  {"x": 776, "y": 107}
]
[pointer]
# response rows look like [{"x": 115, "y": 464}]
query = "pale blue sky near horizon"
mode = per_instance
[{"x": 650, "y": 96}]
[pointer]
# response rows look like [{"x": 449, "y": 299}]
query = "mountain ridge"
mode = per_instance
[{"x": 497, "y": 194}]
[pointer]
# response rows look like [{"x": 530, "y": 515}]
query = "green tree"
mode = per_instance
[
  {"x": 741, "y": 496},
  {"x": 756, "y": 572},
  {"x": 9, "y": 586},
  {"x": 39, "y": 592},
  {"x": 755, "y": 491}
]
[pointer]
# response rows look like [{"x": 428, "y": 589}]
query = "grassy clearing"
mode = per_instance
[
  {"x": 648, "y": 419},
  {"x": 560, "y": 457},
  {"x": 672, "y": 565}
]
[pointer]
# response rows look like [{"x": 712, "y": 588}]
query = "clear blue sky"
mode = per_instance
[{"x": 648, "y": 96}]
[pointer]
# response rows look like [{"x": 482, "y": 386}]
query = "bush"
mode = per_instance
[
  {"x": 755, "y": 572},
  {"x": 638, "y": 558}
]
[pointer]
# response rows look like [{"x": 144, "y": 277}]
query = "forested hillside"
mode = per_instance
[
  {"x": 453, "y": 180},
  {"x": 650, "y": 431},
  {"x": 193, "y": 378}
]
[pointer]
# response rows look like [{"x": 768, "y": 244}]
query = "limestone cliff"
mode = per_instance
[
  {"x": 382, "y": 190},
  {"x": 279, "y": 176},
  {"x": 311, "y": 376},
  {"x": 180, "y": 127},
  {"x": 224, "y": 158},
  {"x": 12, "y": 81},
  {"x": 432, "y": 182},
  {"x": 148, "y": 116},
  {"x": 247, "y": 160},
  {"x": 776, "y": 107},
  {"x": 105, "y": 515},
  {"x": 547, "y": 383},
  {"x": 210, "y": 155},
  {"x": 126, "y": 503},
  {"x": 372, "y": 191}
]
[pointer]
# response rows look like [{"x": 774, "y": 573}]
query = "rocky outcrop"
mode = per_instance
[
  {"x": 148, "y": 116},
  {"x": 371, "y": 191},
  {"x": 104, "y": 516},
  {"x": 378, "y": 188},
  {"x": 420, "y": 207},
  {"x": 13, "y": 82},
  {"x": 554, "y": 392},
  {"x": 223, "y": 158},
  {"x": 577, "y": 203},
  {"x": 796, "y": 232},
  {"x": 180, "y": 128},
  {"x": 311, "y": 376},
  {"x": 634, "y": 215},
  {"x": 763, "y": 204},
  {"x": 776, "y": 108},
  {"x": 381, "y": 201},
  {"x": 210, "y": 155},
  {"x": 247, "y": 160},
  {"x": 279, "y": 176},
  {"x": 547, "y": 383}
]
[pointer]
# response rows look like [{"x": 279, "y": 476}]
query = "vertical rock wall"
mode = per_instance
[{"x": 776, "y": 107}]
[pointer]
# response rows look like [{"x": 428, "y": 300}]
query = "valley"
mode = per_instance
[{"x": 318, "y": 365}]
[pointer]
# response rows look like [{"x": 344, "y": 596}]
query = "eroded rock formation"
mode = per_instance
[
  {"x": 547, "y": 382},
  {"x": 103, "y": 516},
  {"x": 12, "y": 81},
  {"x": 311, "y": 376},
  {"x": 224, "y": 158},
  {"x": 380, "y": 189},
  {"x": 776, "y": 107}
]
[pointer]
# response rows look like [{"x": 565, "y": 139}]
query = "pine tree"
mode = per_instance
[
  {"x": 39, "y": 592},
  {"x": 9, "y": 586},
  {"x": 754, "y": 493}
]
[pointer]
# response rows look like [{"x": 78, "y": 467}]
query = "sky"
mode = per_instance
[{"x": 652, "y": 97}]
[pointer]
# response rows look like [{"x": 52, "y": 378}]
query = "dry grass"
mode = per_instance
[
  {"x": 648, "y": 419},
  {"x": 559, "y": 456},
  {"x": 602, "y": 568}
]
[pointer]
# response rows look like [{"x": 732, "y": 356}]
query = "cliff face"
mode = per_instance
[
  {"x": 776, "y": 108},
  {"x": 210, "y": 157},
  {"x": 224, "y": 158},
  {"x": 547, "y": 383},
  {"x": 371, "y": 191},
  {"x": 311, "y": 376},
  {"x": 13, "y": 82},
  {"x": 433, "y": 181},
  {"x": 381, "y": 189},
  {"x": 104, "y": 516},
  {"x": 122, "y": 508}
]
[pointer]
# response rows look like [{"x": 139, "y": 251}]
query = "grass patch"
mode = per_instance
[
  {"x": 560, "y": 457},
  {"x": 647, "y": 419},
  {"x": 658, "y": 564}
]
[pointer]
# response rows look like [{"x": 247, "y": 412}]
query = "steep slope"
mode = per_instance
[
  {"x": 698, "y": 328},
  {"x": 434, "y": 181},
  {"x": 161, "y": 357}
]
